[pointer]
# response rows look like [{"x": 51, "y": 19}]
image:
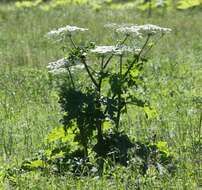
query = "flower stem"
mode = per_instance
[
  {"x": 119, "y": 95},
  {"x": 138, "y": 57},
  {"x": 71, "y": 77},
  {"x": 72, "y": 41},
  {"x": 89, "y": 73}
]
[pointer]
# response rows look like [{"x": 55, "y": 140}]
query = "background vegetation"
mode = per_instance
[{"x": 29, "y": 107}]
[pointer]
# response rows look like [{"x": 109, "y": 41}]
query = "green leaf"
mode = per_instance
[
  {"x": 107, "y": 125},
  {"x": 186, "y": 4},
  {"x": 155, "y": 4},
  {"x": 28, "y": 4},
  {"x": 58, "y": 155},
  {"x": 150, "y": 112},
  {"x": 134, "y": 73},
  {"x": 35, "y": 164},
  {"x": 56, "y": 134},
  {"x": 69, "y": 137},
  {"x": 163, "y": 146}
]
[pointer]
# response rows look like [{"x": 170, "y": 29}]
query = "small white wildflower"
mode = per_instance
[
  {"x": 191, "y": 111},
  {"x": 65, "y": 31},
  {"x": 94, "y": 170}
]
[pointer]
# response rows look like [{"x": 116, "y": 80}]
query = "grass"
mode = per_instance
[{"x": 28, "y": 100}]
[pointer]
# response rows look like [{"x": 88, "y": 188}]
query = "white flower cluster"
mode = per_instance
[
  {"x": 115, "y": 50},
  {"x": 152, "y": 29},
  {"x": 138, "y": 30},
  {"x": 58, "y": 66},
  {"x": 67, "y": 30},
  {"x": 103, "y": 49},
  {"x": 128, "y": 30}
]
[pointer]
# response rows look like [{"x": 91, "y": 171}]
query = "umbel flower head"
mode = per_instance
[
  {"x": 152, "y": 29},
  {"x": 129, "y": 30},
  {"x": 67, "y": 30},
  {"x": 60, "y": 66},
  {"x": 115, "y": 50},
  {"x": 139, "y": 30}
]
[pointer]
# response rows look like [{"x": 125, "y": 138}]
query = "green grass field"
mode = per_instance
[{"x": 28, "y": 99}]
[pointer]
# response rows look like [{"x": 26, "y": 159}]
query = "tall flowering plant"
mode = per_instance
[{"x": 100, "y": 82}]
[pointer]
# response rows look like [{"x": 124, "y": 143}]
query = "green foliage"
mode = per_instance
[
  {"x": 186, "y": 4},
  {"x": 47, "y": 6},
  {"x": 89, "y": 107},
  {"x": 28, "y": 4},
  {"x": 157, "y": 5},
  {"x": 80, "y": 109},
  {"x": 35, "y": 164},
  {"x": 92, "y": 105},
  {"x": 150, "y": 112}
]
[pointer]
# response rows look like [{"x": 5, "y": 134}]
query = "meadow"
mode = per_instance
[{"x": 29, "y": 102}]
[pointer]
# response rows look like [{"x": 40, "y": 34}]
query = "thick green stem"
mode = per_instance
[
  {"x": 98, "y": 104},
  {"x": 71, "y": 77},
  {"x": 98, "y": 119},
  {"x": 89, "y": 73},
  {"x": 119, "y": 95},
  {"x": 131, "y": 66},
  {"x": 154, "y": 43},
  {"x": 72, "y": 41},
  {"x": 84, "y": 142}
]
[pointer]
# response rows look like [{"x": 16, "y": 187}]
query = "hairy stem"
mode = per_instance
[
  {"x": 72, "y": 41},
  {"x": 119, "y": 95},
  {"x": 98, "y": 119},
  {"x": 71, "y": 77},
  {"x": 118, "y": 44},
  {"x": 131, "y": 65},
  {"x": 138, "y": 56},
  {"x": 89, "y": 73},
  {"x": 156, "y": 41}
]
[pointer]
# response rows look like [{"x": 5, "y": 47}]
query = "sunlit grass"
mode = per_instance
[{"x": 28, "y": 101}]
